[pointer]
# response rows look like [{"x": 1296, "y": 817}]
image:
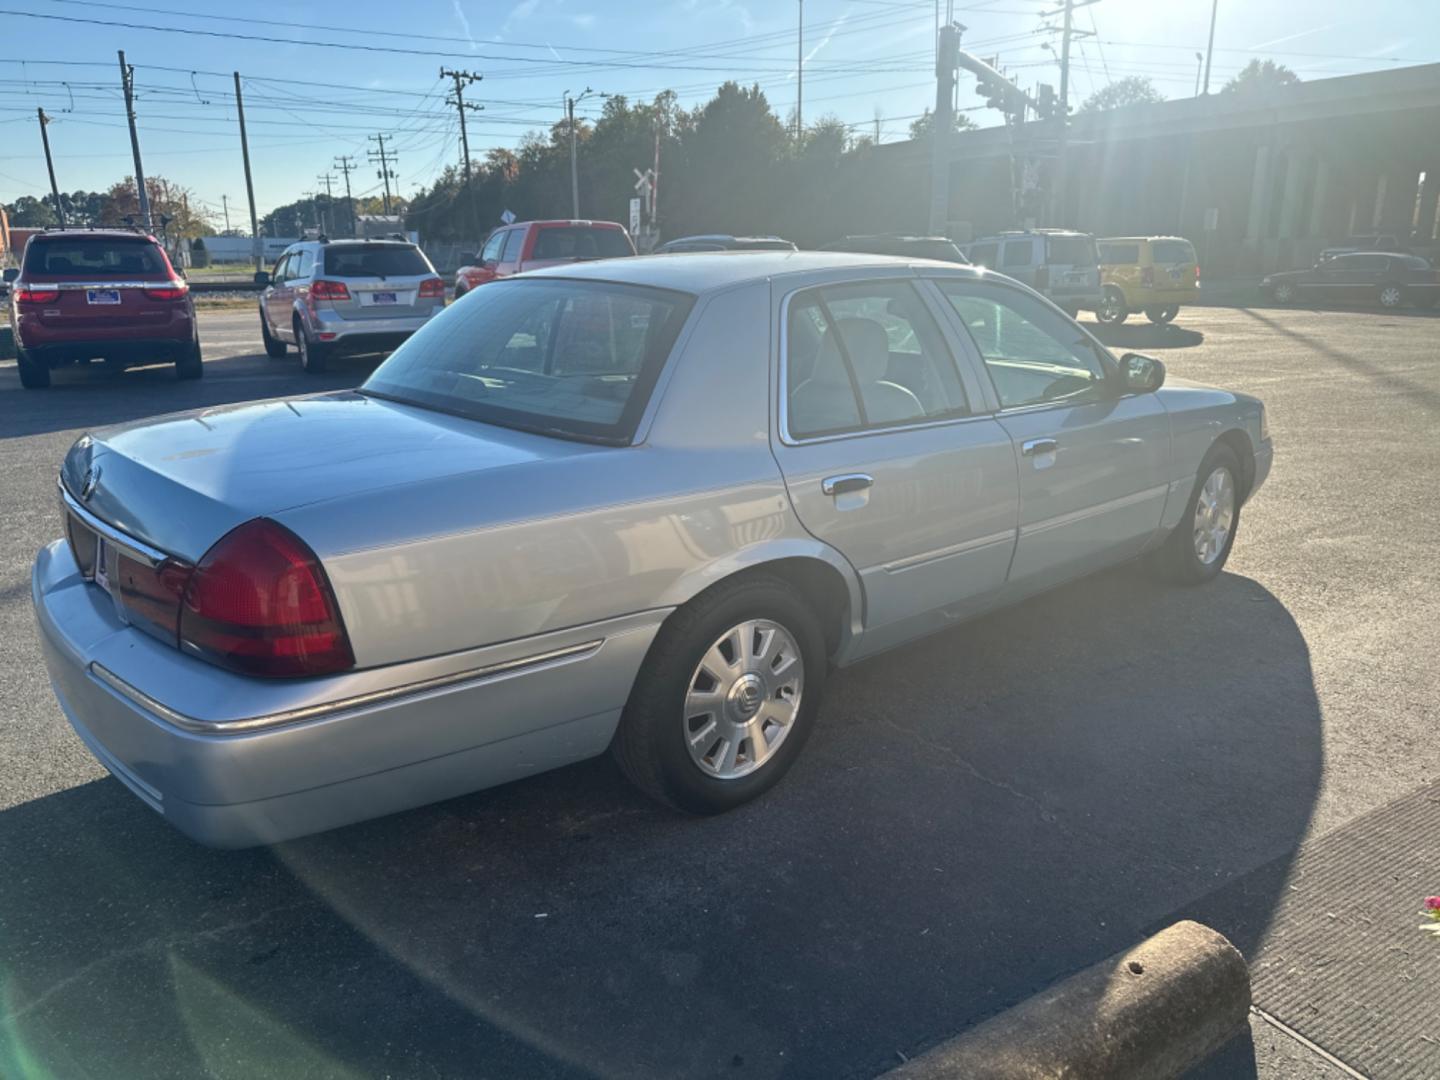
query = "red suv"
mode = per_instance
[
  {"x": 108, "y": 293},
  {"x": 529, "y": 245}
]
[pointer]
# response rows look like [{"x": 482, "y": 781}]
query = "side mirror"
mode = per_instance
[
  {"x": 11, "y": 273},
  {"x": 262, "y": 278},
  {"x": 1141, "y": 374}
]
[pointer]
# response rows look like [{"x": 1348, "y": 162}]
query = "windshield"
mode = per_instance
[
  {"x": 571, "y": 358},
  {"x": 108, "y": 258},
  {"x": 580, "y": 242},
  {"x": 371, "y": 260},
  {"x": 1073, "y": 251}
]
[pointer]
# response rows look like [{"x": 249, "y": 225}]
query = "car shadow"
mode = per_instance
[
  {"x": 1146, "y": 336},
  {"x": 975, "y": 816},
  {"x": 91, "y": 395}
]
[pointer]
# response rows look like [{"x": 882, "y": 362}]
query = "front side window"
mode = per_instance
[
  {"x": 570, "y": 358},
  {"x": 1034, "y": 355},
  {"x": 493, "y": 246},
  {"x": 865, "y": 356}
]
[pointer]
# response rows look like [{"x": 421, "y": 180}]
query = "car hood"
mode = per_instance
[{"x": 179, "y": 482}]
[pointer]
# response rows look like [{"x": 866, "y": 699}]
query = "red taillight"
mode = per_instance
[
  {"x": 1147, "y": 277},
  {"x": 1197, "y": 275},
  {"x": 174, "y": 290},
  {"x": 323, "y": 289},
  {"x": 432, "y": 288},
  {"x": 259, "y": 603},
  {"x": 36, "y": 296}
]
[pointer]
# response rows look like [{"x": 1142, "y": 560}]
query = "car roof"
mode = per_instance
[
  {"x": 575, "y": 222},
  {"x": 93, "y": 234},
  {"x": 709, "y": 271},
  {"x": 1136, "y": 239}
]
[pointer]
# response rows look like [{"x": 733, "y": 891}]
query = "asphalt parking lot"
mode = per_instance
[{"x": 976, "y": 815}]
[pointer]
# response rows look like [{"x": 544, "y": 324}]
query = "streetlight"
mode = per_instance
[
  {"x": 570, "y": 103},
  {"x": 1199, "y": 63}
]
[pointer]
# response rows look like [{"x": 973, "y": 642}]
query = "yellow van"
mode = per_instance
[{"x": 1153, "y": 274}]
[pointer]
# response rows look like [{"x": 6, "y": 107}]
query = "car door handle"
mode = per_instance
[
  {"x": 839, "y": 485},
  {"x": 1031, "y": 447}
]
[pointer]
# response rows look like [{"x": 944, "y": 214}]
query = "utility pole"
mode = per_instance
[
  {"x": 225, "y": 205},
  {"x": 1210, "y": 48},
  {"x": 942, "y": 120},
  {"x": 800, "y": 76},
  {"x": 384, "y": 162},
  {"x": 345, "y": 163},
  {"x": 127, "y": 83},
  {"x": 257, "y": 245},
  {"x": 1068, "y": 32},
  {"x": 462, "y": 79},
  {"x": 50, "y": 164},
  {"x": 570, "y": 104},
  {"x": 328, "y": 219}
]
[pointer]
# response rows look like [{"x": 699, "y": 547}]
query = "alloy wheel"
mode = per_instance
[
  {"x": 743, "y": 699},
  {"x": 1390, "y": 296},
  {"x": 1214, "y": 515}
]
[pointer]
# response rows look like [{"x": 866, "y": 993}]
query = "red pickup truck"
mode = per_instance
[{"x": 529, "y": 245}]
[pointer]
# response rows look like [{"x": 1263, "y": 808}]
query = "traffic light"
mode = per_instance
[{"x": 1045, "y": 106}]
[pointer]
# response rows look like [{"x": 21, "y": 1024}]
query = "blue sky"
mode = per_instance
[{"x": 863, "y": 58}]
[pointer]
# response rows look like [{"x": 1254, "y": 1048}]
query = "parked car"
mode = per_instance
[
  {"x": 1386, "y": 242},
  {"x": 1063, "y": 265},
  {"x": 1153, "y": 274},
  {"x": 531, "y": 245},
  {"x": 913, "y": 247},
  {"x": 347, "y": 296},
  {"x": 723, "y": 242},
  {"x": 532, "y": 535},
  {"x": 82, "y": 294},
  {"x": 1361, "y": 278}
]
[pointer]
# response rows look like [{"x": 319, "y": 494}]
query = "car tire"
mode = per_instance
[
  {"x": 653, "y": 743},
  {"x": 314, "y": 357},
  {"x": 1112, "y": 310},
  {"x": 1187, "y": 557},
  {"x": 34, "y": 374},
  {"x": 274, "y": 347},
  {"x": 1391, "y": 296},
  {"x": 1162, "y": 315},
  {"x": 191, "y": 364},
  {"x": 1283, "y": 293}
]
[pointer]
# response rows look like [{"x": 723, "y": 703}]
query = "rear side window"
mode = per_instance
[
  {"x": 1170, "y": 252},
  {"x": 1413, "y": 262},
  {"x": 1072, "y": 250},
  {"x": 865, "y": 356},
  {"x": 514, "y": 241},
  {"x": 1119, "y": 254},
  {"x": 578, "y": 242},
  {"x": 1018, "y": 253},
  {"x": 371, "y": 260},
  {"x": 105, "y": 259},
  {"x": 302, "y": 264}
]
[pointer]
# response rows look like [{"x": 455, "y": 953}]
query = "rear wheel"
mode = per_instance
[
  {"x": 313, "y": 355},
  {"x": 34, "y": 374},
  {"x": 190, "y": 365},
  {"x": 1391, "y": 296},
  {"x": 1112, "y": 310},
  {"x": 274, "y": 347},
  {"x": 726, "y": 699},
  {"x": 1162, "y": 315},
  {"x": 1197, "y": 550}
]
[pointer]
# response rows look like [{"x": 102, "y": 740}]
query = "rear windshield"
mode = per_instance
[
  {"x": 370, "y": 260},
  {"x": 1119, "y": 254},
  {"x": 1168, "y": 252},
  {"x": 111, "y": 258},
  {"x": 569, "y": 358},
  {"x": 580, "y": 242},
  {"x": 1072, "y": 251}
]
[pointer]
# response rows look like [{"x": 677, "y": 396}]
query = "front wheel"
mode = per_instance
[
  {"x": 1391, "y": 296},
  {"x": 274, "y": 347},
  {"x": 726, "y": 698},
  {"x": 1162, "y": 315},
  {"x": 1197, "y": 550},
  {"x": 1112, "y": 310}
]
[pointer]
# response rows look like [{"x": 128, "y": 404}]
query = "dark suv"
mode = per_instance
[{"x": 108, "y": 293}]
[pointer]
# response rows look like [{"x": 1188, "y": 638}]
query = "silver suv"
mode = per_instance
[
  {"x": 1062, "y": 264},
  {"x": 354, "y": 296}
]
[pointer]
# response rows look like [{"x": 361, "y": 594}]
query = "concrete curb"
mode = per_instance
[{"x": 1152, "y": 1011}]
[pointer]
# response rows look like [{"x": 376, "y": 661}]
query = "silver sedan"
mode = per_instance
[{"x": 642, "y": 505}]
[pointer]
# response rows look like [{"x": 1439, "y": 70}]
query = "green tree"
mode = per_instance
[
  {"x": 1135, "y": 90},
  {"x": 1260, "y": 79},
  {"x": 29, "y": 212},
  {"x": 924, "y": 124}
]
